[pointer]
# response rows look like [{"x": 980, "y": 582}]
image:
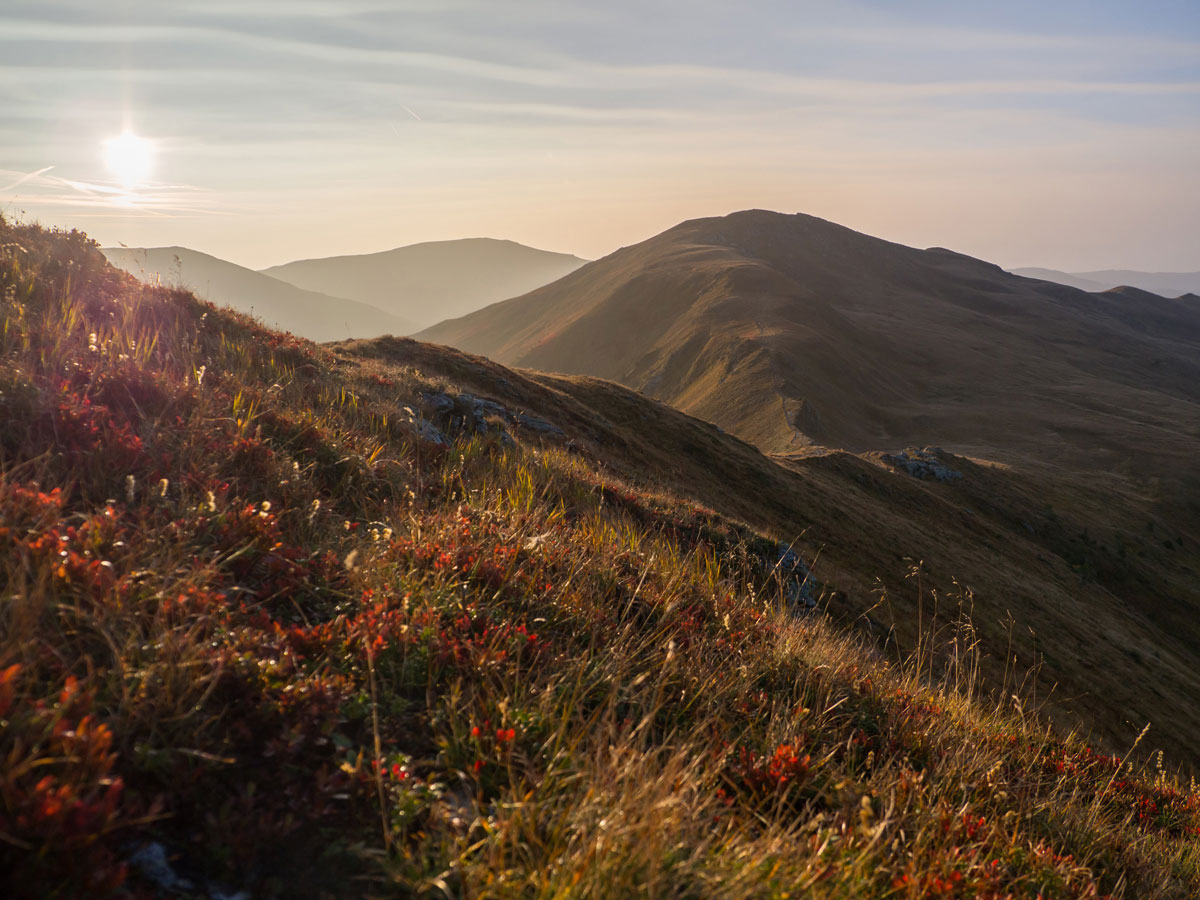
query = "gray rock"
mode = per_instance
[
  {"x": 428, "y": 431},
  {"x": 483, "y": 408},
  {"x": 151, "y": 862},
  {"x": 924, "y": 464},
  {"x": 469, "y": 413},
  {"x": 796, "y": 578},
  {"x": 533, "y": 423},
  {"x": 438, "y": 403}
]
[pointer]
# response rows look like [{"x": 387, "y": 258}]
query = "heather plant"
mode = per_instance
[{"x": 253, "y": 613}]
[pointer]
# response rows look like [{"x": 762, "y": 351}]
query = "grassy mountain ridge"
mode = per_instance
[
  {"x": 309, "y": 314},
  {"x": 427, "y": 282},
  {"x": 1062, "y": 556},
  {"x": 316, "y": 621},
  {"x": 791, "y": 331},
  {"x": 1073, "y": 418}
]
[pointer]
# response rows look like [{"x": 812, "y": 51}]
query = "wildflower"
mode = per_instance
[
  {"x": 163, "y": 484},
  {"x": 313, "y": 509},
  {"x": 503, "y": 735},
  {"x": 265, "y": 509},
  {"x": 130, "y": 488},
  {"x": 200, "y": 373},
  {"x": 93, "y": 344},
  {"x": 211, "y": 502},
  {"x": 474, "y": 731}
]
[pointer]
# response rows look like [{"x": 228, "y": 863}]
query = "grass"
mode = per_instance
[{"x": 250, "y": 614}]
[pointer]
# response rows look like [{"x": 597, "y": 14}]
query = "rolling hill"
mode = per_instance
[
  {"x": 384, "y": 618},
  {"x": 1072, "y": 418},
  {"x": 316, "y": 316},
  {"x": 1165, "y": 284},
  {"x": 425, "y": 283},
  {"x": 793, "y": 332},
  {"x": 1097, "y": 576}
]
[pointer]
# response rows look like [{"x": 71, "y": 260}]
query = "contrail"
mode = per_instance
[
  {"x": 25, "y": 178},
  {"x": 411, "y": 113}
]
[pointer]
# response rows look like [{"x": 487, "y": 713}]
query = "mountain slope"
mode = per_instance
[
  {"x": 288, "y": 620},
  {"x": 1073, "y": 419},
  {"x": 316, "y": 316},
  {"x": 1165, "y": 284},
  {"x": 428, "y": 282},
  {"x": 791, "y": 331},
  {"x": 1100, "y": 577}
]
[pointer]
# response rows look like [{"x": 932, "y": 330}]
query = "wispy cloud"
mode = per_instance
[
  {"x": 68, "y": 193},
  {"x": 24, "y": 178},
  {"x": 431, "y": 111}
]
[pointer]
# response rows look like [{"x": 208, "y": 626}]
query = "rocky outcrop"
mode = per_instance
[
  {"x": 925, "y": 464},
  {"x": 468, "y": 414}
]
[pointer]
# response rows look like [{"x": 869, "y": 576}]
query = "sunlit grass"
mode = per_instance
[{"x": 249, "y": 613}]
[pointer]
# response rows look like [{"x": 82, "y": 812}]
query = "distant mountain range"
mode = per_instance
[
  {"x": 791, "y": 331},
  {"x": 426, "y": 283},
  {"x": 394, "y": 292},
  {"x": 1165, "y": 284},
  {"x": 317, "y": 316}
]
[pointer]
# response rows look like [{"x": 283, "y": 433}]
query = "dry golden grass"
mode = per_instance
[{"x": 251, "y": 614}]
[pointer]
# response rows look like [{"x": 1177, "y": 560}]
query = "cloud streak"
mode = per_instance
[{"x": 65, "y": 193}]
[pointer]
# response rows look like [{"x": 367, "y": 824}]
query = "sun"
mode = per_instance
[{"x": 129, "y": 158}]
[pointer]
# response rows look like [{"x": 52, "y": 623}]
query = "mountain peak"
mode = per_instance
[
  {"x": 789, "y": 330},
  {"x": 433, "y": 280}
]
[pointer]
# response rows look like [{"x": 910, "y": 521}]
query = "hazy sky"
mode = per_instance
[{"x": 1063, "y": 133}]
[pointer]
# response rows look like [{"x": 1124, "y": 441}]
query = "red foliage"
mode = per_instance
[{"x": 60, "y": 800}]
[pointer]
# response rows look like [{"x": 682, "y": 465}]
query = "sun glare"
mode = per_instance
[{"x": 128, "y": 158}]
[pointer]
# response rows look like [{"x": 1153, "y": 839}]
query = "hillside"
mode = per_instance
[
  {"x": 790, "y": 331},
  {"x": 1165, "y": 284},
  {"x": 1073, "y": 419},
  {"x": 385, "y": 619},
  {"x": 1081, "y": 583},
  {"x": 425, "y": 283},
  {"x": 316, "y": 316}
]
